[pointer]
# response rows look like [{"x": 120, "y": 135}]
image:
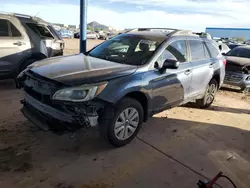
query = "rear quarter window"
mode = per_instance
[
  {"x": 212, "y": 49},
  {"x": 40, "y": 30}
]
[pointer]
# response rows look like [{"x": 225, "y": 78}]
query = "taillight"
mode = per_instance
[{"x": 224, "y": 62}]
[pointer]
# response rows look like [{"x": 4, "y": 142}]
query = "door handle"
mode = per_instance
[
  {"x": 18, "y": 43},
  {"x": 211, "y": 65},
  {"x": 187, "y": 72}
]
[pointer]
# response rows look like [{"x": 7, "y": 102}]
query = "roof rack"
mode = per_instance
[
  {"x": 16, "y": 14},
  {"x": 175, "y": 32},
  {"x": 204, "y": 35},
  {"x": 169, "y": 31}
]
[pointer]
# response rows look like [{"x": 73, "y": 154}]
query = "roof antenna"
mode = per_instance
[{"x": 36, "y": 14}]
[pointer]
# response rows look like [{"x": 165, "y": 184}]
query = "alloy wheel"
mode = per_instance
[
  {"x": 211, "y": 93},
  {"x": 126, "y": 123}
]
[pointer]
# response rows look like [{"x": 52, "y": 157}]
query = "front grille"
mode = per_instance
[
  {"x": 233, "y": 78},
  {"x": 39, "y": 88}
]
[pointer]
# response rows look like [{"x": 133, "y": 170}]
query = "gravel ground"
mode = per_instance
[{"x": 174, "y": 149}]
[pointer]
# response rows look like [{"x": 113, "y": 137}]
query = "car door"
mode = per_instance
[
  {"x": 172, "y": 87},
  {"x": 12, "y": 46},
  {"x": 202, "y": 67}
]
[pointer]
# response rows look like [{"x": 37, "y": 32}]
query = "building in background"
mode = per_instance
[{"x": 230, "y": 33}]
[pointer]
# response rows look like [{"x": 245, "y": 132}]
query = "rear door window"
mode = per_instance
[
  {"x": 14, "y": 31},
  {"x": 40, "y": 30},
  {"x": 212, "y": 49},
  {"x": 4, "y": 29},
  {"x": 197, "y": 50}
]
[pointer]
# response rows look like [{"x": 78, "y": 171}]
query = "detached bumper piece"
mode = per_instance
[{"x": 48, "y": 118}]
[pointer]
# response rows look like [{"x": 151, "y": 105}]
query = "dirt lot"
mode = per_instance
[{"x": 174, "y": 149}]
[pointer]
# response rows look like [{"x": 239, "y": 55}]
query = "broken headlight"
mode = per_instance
[{"x": 80, "y": 93}]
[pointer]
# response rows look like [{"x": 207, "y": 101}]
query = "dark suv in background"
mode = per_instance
[
  {"x": 24, "y": 40},
  {"x": 123, "y": 81}
]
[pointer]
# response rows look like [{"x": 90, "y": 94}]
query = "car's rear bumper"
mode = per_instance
[{"x": 47, "y": 117}]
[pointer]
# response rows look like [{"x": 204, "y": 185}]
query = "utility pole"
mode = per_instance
[{"x": 83, "y": 26}]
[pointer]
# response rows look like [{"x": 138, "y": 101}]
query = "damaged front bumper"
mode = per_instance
[
  {"x": 49, "y": 118},
  {"x": 237, "y": 79}
]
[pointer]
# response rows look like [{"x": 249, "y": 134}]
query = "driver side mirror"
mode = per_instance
[{"x": 170, "y": 64}]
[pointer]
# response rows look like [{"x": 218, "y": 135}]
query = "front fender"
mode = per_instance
[{"x": 120, "y": 87}]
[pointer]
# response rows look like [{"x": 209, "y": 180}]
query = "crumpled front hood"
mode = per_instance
[{"x": 80, "y": 69}]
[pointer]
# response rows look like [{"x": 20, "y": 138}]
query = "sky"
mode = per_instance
[{"x": 182, "y": 14}]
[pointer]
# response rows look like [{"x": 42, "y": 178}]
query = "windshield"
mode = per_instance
[
  {"x": 127, "y": 49},
  {"x": 239, "y": 52}
]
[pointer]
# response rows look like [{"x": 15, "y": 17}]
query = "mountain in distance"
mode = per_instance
[{"x": 96, "y": 26}]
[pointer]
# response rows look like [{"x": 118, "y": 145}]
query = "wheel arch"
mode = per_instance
[
  {"x": 216, "y": 76},
  {"x": 142, "y": 99}
]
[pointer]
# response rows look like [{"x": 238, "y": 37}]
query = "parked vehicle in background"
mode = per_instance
[
  {"x": 77, "y": 35},
  {"x": 233, "y": 45},
  {"x": 110, "y": 36},
  {"x": 106, "y": 36},
  {"x": 122, "y": 82},
  {"x": 223, "y": 47},
  {"x": 24, "y": 40},
  {"x": 103, "y": 36},
  {"x": 66, "y": 34},
  {"x": 238, "y": 67},
  {"x": 91, "y": 35}
]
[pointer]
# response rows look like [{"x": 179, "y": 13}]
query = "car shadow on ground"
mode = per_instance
[
  {"x": 236, "y": 90},
  {"x": 219, "y": 108}
]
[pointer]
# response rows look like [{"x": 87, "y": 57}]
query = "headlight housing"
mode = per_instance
[{"x": 80, "y": 93}]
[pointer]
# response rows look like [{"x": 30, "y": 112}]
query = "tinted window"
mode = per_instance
[
  {"x": 213, "y": 51},
  {"x": 4, "y": 31},
  {"x": 239, "y": 52},
  {"x": 14, "y": 31},
  {"x": 197, "y": 50},
  {"x": 127, "y": 49},
  {"x": 41, "y": 30}
]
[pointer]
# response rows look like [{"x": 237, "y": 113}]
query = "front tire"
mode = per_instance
[
  {"x": 209, "y": 97},
  {"x": 126, "y": 122}
]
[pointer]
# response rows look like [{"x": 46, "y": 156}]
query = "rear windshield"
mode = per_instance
[
  {"x": 40, "y": 30},
  {"x": 127, "y": 49},
  {"x": 239, "y": 52}
]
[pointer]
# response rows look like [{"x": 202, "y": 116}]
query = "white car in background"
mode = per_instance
[
  {"x": 223, "y": 47},
  {"x": 91, "y": 35}
]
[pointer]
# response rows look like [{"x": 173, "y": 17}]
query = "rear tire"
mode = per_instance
[
  {"x": 126, "y": 122},
  {"x": 209, "y": 97}
]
